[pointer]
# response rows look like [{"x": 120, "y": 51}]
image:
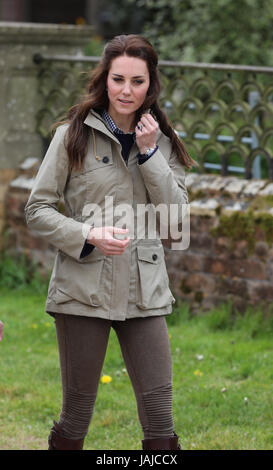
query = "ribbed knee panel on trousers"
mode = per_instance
[
  {"x": 76, "y": 414},
  {"x": 158, "y": 409}
]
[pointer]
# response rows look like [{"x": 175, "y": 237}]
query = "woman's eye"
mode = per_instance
[{"x": 119, "y": 79}]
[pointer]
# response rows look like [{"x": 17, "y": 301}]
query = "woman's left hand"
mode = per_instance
[{"x": 146, "y": 131}]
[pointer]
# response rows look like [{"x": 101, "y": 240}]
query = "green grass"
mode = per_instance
[{"x": 222, "y": 378}]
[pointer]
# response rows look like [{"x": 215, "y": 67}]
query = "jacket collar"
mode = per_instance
[{"x": 94, "y": 120}]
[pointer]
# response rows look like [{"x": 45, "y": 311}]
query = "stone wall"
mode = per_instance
[
  {"x": 19, "y": 96},
  {"x": 18, "y": 238},
  {"x": 230, "y": 254}
]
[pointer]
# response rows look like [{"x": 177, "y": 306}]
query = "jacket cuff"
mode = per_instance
[
  {"x": 156, "y": 170},
  {"x": 143, "y": 158}
]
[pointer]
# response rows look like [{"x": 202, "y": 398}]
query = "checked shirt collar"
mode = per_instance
[{"x": 112, "y": 126}]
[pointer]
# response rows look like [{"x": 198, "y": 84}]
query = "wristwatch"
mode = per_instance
[{"x": 149, "y": 151}]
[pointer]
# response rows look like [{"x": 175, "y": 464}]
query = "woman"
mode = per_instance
[{"x": 115, "y": 150}]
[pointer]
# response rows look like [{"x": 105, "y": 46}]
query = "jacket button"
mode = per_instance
[
  {"x": 154, "y": 256},
  {"x": 105, "y": 159}
]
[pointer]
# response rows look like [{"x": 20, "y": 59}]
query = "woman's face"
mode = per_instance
[{"x": 128, "y": 82}]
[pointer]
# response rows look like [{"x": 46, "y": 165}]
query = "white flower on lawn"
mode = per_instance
[{"x": 199, "y": 357}]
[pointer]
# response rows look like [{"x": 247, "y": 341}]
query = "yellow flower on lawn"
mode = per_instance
[
  {"x": 198, "y": 372},
  {"x": 105, "y": 379},
  {"x": 34, "y": 326}
]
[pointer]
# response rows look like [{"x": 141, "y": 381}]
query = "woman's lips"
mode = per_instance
[{"x": 125, "y": 101}]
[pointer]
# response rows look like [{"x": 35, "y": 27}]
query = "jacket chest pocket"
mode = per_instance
[{"x": 152, "y": 290}]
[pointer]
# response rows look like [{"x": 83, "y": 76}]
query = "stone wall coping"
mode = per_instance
[
  {"x": 44, "y": 33},
  {"x": 267, "y": 191},
  {"x": 29, "y": 163},
  {"x": 22, "y": 182},
  {"x": 230, "y": 184}
]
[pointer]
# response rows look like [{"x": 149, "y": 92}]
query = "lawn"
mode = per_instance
[{"x": 222, "y": 379}]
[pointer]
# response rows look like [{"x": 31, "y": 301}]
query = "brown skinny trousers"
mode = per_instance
[{"x": 145, "y": 347}]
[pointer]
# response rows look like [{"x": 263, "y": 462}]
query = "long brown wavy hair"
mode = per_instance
[{"x": 97, "y": 99}]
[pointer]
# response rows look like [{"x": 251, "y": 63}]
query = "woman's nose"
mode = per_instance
[{"x": 127, "y": 88}]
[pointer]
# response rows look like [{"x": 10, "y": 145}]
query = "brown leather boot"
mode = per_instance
[
  {"x": 164, "y": 443},
  {"x": 57, "y": 442}
]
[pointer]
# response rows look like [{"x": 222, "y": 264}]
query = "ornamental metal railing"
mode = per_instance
[{"x": 223, "y": 112}]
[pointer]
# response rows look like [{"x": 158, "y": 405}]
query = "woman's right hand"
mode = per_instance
[{"x": 103, "y": 239}]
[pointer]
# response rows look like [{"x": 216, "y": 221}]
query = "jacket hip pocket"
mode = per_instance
[
  {"x": 79, "y": 281},
  {"x": 152, "y": 290}
]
